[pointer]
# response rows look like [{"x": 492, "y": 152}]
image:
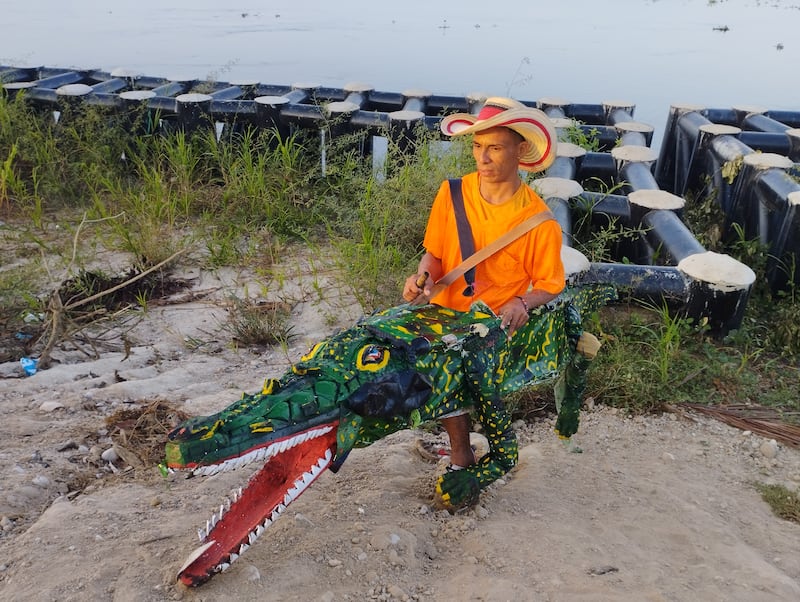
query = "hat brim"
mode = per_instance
[{"x": 532, "y": 124}]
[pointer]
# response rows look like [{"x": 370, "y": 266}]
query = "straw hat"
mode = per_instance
[{"x": 531, "y": 124}]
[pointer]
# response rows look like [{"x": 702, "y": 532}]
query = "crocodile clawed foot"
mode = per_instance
[{"x": 456, "y": 489}]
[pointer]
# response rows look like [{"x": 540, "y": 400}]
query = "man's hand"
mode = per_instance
[
  {"x": 417, "y": 288},
  {"x": 513, "y": 315}
]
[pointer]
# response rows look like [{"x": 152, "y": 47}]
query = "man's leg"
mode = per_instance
[{"x": 458, "y": 428}]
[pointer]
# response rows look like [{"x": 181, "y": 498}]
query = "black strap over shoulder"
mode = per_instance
[{"x": 465, "y": 239}]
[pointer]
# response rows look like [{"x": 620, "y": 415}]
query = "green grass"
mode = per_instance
[{"x": 784, "y": 503}]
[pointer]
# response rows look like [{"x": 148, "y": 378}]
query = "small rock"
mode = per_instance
[
  {"x": 110, "y": 455},
  {"x": 41, "y": 481},
  {"x": 251, "y": 573},
  {"x": 602, "y": 570},
  {"x": 334, "y": 562},
  {"x": 668, "y": 457},
  {"x": 50, "y": 406},
  {"x": 769, "y": 449},
  {"x": 397, "y": 592}
]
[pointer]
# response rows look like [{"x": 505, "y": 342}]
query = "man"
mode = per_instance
[{"x": 507, "y": 137}]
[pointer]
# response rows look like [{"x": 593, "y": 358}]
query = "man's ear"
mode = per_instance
[{"x": 524, "y": 147}]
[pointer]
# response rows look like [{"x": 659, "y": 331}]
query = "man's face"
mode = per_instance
[{"x": 497, "y": 152}]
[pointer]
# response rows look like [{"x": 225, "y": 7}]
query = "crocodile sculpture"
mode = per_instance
[{"x": 395, "y": 369}]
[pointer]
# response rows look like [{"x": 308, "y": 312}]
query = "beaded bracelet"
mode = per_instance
[{"x": 524, "y": 304}]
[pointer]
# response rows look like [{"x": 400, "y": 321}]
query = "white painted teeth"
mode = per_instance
[
  {"x": 300, "y": 485},
  {"x": 261, "y": 454}
]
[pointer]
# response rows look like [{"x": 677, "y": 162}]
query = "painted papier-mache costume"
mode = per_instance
[{"x": 395, "y": 369}]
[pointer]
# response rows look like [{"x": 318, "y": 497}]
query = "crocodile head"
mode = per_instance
[{"x": 290, "y": 433}]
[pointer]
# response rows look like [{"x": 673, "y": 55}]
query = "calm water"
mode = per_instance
[{"x": 651, "y": 53}]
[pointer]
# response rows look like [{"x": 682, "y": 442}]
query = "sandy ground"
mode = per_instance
[{"x": 658, "y": 508}]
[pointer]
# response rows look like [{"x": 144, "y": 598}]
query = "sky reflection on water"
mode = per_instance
[{"x": 648, "y": 52}]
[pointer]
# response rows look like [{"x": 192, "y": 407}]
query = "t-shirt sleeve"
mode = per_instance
[{"x": 547, "y": 270}]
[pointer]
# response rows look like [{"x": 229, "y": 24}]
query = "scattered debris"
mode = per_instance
[
  {"x": 139, "y": 434},
  {"x": 767, "y": 422}
]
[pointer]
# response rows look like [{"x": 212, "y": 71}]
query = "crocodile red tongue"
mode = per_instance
[{"x": 282, "y": 480}]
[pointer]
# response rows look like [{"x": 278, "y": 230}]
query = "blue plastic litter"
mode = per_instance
[{"x": 29, "y": 365}]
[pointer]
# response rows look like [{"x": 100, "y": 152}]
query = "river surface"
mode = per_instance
[{"x": 651, "y": 53}]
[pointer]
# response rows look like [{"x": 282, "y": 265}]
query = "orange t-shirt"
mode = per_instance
[{"x": 531, "y": 261}]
